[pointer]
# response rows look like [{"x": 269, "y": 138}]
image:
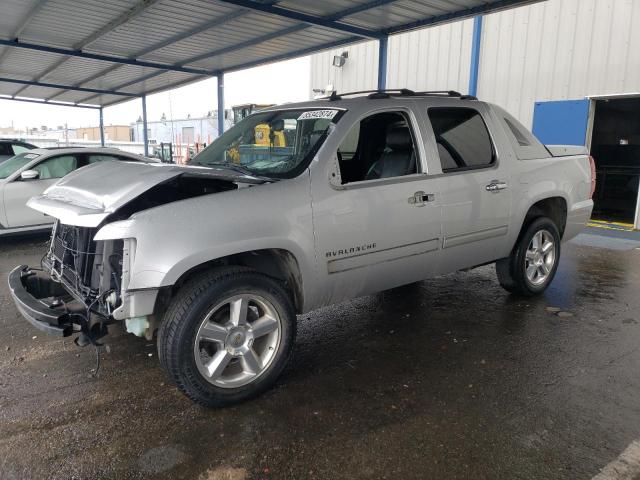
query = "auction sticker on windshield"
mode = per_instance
[{"x": 313, "y": 114}]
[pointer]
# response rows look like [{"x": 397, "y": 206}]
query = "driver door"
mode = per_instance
[
  {"x": 18, "y": 192},
  {"x": 377, "y": 219}
]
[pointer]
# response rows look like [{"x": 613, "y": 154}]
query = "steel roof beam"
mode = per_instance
[
  {"x": 128, "y": 84},
  {"x": 127, "y": 16},
  {"x": 157, "y": 46},
  {"x": 45, "y": 102},
  {"x": 137, "y": 9},
  {"x": 287, "y": 31},
  {"x": 303, "y": 17},
  {"x": 104, "y": 58},
  {"x": 66, "y": 87},
  {"x": 22, "y": 24},
  {"x": 295, "y": 54},
  {"x": 219, "y": 21},
  {"x": 458, "y": 15}
]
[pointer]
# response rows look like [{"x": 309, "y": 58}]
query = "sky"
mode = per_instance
[{"x": 280, "y": 82}]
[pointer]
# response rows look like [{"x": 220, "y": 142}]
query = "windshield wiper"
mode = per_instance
[
  {"x": 230, "y": 166},
  {"x": 233, "y": 167}
]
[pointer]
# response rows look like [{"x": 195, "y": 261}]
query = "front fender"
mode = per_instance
[
  {"x": 174, "y": 238},
  {"x": 157, "y": 279}
]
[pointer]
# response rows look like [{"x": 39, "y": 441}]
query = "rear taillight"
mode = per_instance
[{"x": 592, "y": 164}]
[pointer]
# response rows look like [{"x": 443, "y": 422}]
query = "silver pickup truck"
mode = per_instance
[{"x": 296, "y": 207}]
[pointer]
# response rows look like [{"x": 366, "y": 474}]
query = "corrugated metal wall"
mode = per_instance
[
  {"x": 428, "y": 59},
  {"x": 431, "y": 59},
  {"x": 554, "y": 50},
  {"x": 360, "y": 71},
  {"x": 559, "y": 49}
]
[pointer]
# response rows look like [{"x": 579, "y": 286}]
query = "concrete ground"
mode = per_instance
[{"x": 449, "y": 378}]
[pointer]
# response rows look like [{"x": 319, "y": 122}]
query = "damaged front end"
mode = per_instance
[
  {"x": 78, "y": 287},
  {"x": 83, "y": 282},
  {"x": 91, "y": 270}
]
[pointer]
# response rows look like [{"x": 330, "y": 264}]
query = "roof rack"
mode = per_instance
[{"x": 400, "y": 92}]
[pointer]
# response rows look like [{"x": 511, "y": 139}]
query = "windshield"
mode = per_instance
[
  {"x": 15, "y": 163},
  {"x": 271, "y": 144}
]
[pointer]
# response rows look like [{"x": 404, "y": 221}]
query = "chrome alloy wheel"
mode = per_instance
[
  {"x": 237, "y": 340},
  {"x": 540, "y": 257}
]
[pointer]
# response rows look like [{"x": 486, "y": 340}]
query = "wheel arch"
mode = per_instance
[
  {"x": 277, "y": 263},
  {"x": 554, "y": 207}
]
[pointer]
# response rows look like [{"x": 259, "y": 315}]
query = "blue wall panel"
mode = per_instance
[{"x": 562, "y": 122}]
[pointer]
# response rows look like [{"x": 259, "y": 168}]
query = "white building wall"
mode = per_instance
[
  {"x": 360, "y": 71},
  {"x": 559, "y": 49},
  {"x": 205, "y": 129},
  {"x": 436, "y": 58}
]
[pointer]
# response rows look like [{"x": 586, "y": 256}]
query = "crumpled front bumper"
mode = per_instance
[{"x": 34, "y": 296}]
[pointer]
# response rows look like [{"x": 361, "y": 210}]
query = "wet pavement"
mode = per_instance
[{"x": 449, "y": 378}]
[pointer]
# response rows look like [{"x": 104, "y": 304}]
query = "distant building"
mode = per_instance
[
  {"x": 181, "y": 131},
  {"x": 9, "y": 131},
  {"x": 117, "y": 133}
]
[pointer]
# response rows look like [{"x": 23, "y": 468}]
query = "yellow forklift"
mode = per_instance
[
  {"x": 241, "y": 112},
  {"x": 266, "y": 137}
]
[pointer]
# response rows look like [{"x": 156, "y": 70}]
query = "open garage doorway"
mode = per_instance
[{"x": 615, "y": 146}]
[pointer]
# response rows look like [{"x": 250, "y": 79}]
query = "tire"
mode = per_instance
[
  {"x": 211, "y": 343},
  {"x": 528, "y": 271}
]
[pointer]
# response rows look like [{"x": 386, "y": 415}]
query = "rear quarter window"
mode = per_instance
[{"x": 525, "y": 145}]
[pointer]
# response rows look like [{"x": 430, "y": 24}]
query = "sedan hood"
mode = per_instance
[{"x": 89, "y": 195}]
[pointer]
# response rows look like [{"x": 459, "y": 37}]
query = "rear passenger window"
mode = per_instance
[
  {"x": 95, "y": 158},
  {"x": 462, "y": 138},
  {"x": 18, "y": 149}
]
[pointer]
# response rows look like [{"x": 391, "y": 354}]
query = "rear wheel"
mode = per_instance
[
  {"x": 227, "y": 336},
  {"x": 533, "y": 263}
]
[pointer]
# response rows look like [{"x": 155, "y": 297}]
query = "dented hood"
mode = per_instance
[{"x": 90, "y": 194}]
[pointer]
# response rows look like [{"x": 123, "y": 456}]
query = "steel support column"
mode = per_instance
[
  {"x": 383, "y": 45},
  {"x": 101, "y": 128},
  {"x": 145, "y": 135},
  {"x": 220, "y": 80},
  {"x": 475, "y": 55}
]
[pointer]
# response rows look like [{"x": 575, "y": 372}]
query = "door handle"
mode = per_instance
[
  {"x": 419, "y": 198},
  {"x": 496, "y": 186}
]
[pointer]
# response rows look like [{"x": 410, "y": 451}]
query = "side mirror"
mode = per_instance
[{"x": 29, "y": 175}]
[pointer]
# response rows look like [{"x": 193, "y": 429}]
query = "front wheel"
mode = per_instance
[
  {"x": 533, "y": 263},
  {"x": 227, "y": 336}
]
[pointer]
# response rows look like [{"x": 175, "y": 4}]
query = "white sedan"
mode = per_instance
[{"x": 32, "y": 172}]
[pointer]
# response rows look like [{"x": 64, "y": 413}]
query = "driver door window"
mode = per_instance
[
  {"x": 379, "y": 146},
  {"x": 56, "y": 167}
]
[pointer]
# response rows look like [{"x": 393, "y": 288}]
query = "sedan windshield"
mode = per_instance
[
  {"x": 273, "y": 144},
  {"x": 14, "y": 164}
]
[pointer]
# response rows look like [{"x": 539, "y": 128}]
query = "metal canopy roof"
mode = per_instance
[{"x": 102, "y": 52}]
